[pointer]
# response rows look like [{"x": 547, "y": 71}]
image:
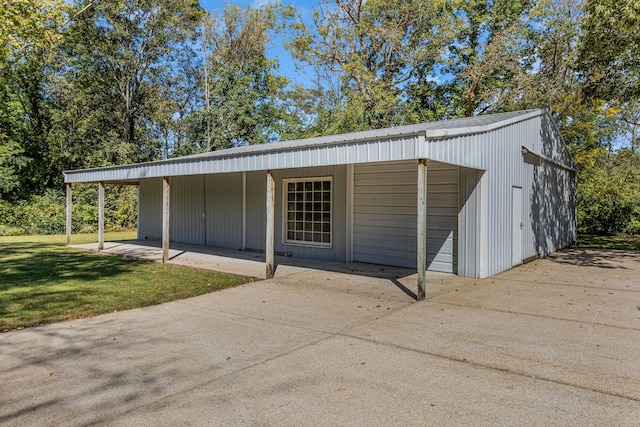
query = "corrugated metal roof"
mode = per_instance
[{"x": 307, "y": 152}]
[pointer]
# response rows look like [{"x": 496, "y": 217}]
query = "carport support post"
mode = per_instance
[
  {"x": 271, "y": 201},
  {"x": 166, "y": 203},
  {"x": 100, "y": 215},
  {"x": 422, "y": 229},
  {"x": 68, "y": 212}
]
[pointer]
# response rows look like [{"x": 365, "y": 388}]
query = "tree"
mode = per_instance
[
  {"x": 376, "y": 47},
  {"x": 29, "y": 32},
  {"x": 244, "y": 95},
  {"x": 118, "y": 51},
  {"x": 28, "y": 26},
  {"x": 609, "y": 55}
]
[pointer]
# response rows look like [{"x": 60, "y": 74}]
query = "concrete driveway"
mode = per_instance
[{"x": 555, "y": 342}]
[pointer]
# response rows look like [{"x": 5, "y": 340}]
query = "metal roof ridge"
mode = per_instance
[{"x": 461, "y": 131}]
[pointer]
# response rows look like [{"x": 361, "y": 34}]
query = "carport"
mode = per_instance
[{"x": 471, "y": 196}]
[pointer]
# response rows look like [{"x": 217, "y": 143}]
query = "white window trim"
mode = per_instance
[{"x": 285, "y": 212}]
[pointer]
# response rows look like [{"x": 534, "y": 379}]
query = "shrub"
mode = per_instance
[{"x": 46, "y": 213}]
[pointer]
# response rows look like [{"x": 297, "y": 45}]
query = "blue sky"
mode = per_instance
[{"x": 276, "y": 48}]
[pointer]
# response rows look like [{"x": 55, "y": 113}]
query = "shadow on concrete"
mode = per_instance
[
  {"x": 151, "y": 250},
  {"x": 600, "y": 258},
  {"x": 107, "y": 388}
]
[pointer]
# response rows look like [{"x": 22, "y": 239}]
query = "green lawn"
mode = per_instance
[
  {"x": 42, "y": 281},
  {"x": 609, "y": 242}
]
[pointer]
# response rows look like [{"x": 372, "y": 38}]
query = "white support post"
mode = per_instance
[
  {"x": 100, "y": 215},
  {"x": 68, "y": 212},
  {"x": 422, "y": 229},
  {"x": 166, "y": 203},
  {"x": 483, "y": 246},
  {"x": 271, "y": 201}
]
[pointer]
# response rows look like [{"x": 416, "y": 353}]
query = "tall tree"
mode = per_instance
[
  {"x": 28, "y": 34},
  {"x": 244, "y": 94},
  {"x": 118, "y": 51},
  {"x": 376, "y": 46},
  {"x": 609, "y": 54}
]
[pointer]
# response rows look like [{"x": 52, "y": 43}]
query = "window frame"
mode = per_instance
[{"x": 285, "y": 212}]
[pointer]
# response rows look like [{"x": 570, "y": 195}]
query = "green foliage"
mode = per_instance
[
  {"x": 46, "y": 213},
  {"x": 117, "y": 57},
  {"x": 609, "y": 55},
  {"x": 96, "y": 83},
  {"x": 365, "y": 53},
  {"x": 609, "y": 194},
  {"x": 28, "y": 26},
  {"x": 11, "y": 160},
  {"x": 244, "y": 95},
  {"x": 622, "y": 242}
]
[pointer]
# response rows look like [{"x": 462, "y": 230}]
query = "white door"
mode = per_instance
[{"x": 516, "y": 226}]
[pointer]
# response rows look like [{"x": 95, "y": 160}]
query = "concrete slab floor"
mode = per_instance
[
  {"x": 246, "y": 263},
  {"x": 319, "y": 347}
]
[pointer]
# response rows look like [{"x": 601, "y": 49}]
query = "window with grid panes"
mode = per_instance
[{"x": 308, "y": 211}]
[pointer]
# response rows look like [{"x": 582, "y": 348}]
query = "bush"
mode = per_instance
[
  {"x": 46, "y": 213},
  {"x": 609, "y": 195}
]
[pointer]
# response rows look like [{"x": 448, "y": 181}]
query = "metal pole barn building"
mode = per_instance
[{"x": 473, "y": 196}]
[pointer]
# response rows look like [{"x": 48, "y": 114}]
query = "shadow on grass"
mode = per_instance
[
  {"x": 609, "y": 242},
  {"x": 26, "y": 264},
  {"x": 31, "y": 275}
]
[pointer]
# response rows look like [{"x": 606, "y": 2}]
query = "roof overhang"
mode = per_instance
[{"x": 391, "y": 144}]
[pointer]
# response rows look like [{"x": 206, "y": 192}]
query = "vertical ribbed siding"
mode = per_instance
[
  {"x": 499, "y": 153},
  {"x": 150, "y": 209},
  {"x": 224, "y": 210},
  {"x": 531, "y": 212},
  {"x": 385, "y": 197},
  {"x": 338, "y": 214},
  {"x": 442, "y": 217},
  {"x": 505, "y": 172},
  {"x": 187, "y": 210},
  {"x": 548, "y": 205},
  {"x": 385, "y": 213},
  {"x": 557, "y": 197},
  {"x": 468, "y": 223},
  {"x": 548, "y": 196},
  {"x": 256, "y": 209}
]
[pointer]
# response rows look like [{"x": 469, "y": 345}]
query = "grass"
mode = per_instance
[
  {"x": 609, "y": 242},
  {"x": 42, "y": 281}
]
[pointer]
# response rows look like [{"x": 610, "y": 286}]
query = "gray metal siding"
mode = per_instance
[
  {"x": 400, "y": 143},
  {"x": 187, "y": 217},
  {"x": 504, "y": 172},
  {"x": 558, "y": 186},
  {"x": 533, "y": 213},
  {"x": 468, "y": 223},
  {"x": 256, "y": 221},
  {"x": 499, "y": 153},
  {"x": 442, "y": 217},
  {"x": 385, "y": 197},
  {"x": 548, "y": 195},
  {"x": 338, "y": 221},
  {"x": 384, "y": 210},
  {"x": 150, "y": 209},
  {"x": 224, "y": 210}
]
